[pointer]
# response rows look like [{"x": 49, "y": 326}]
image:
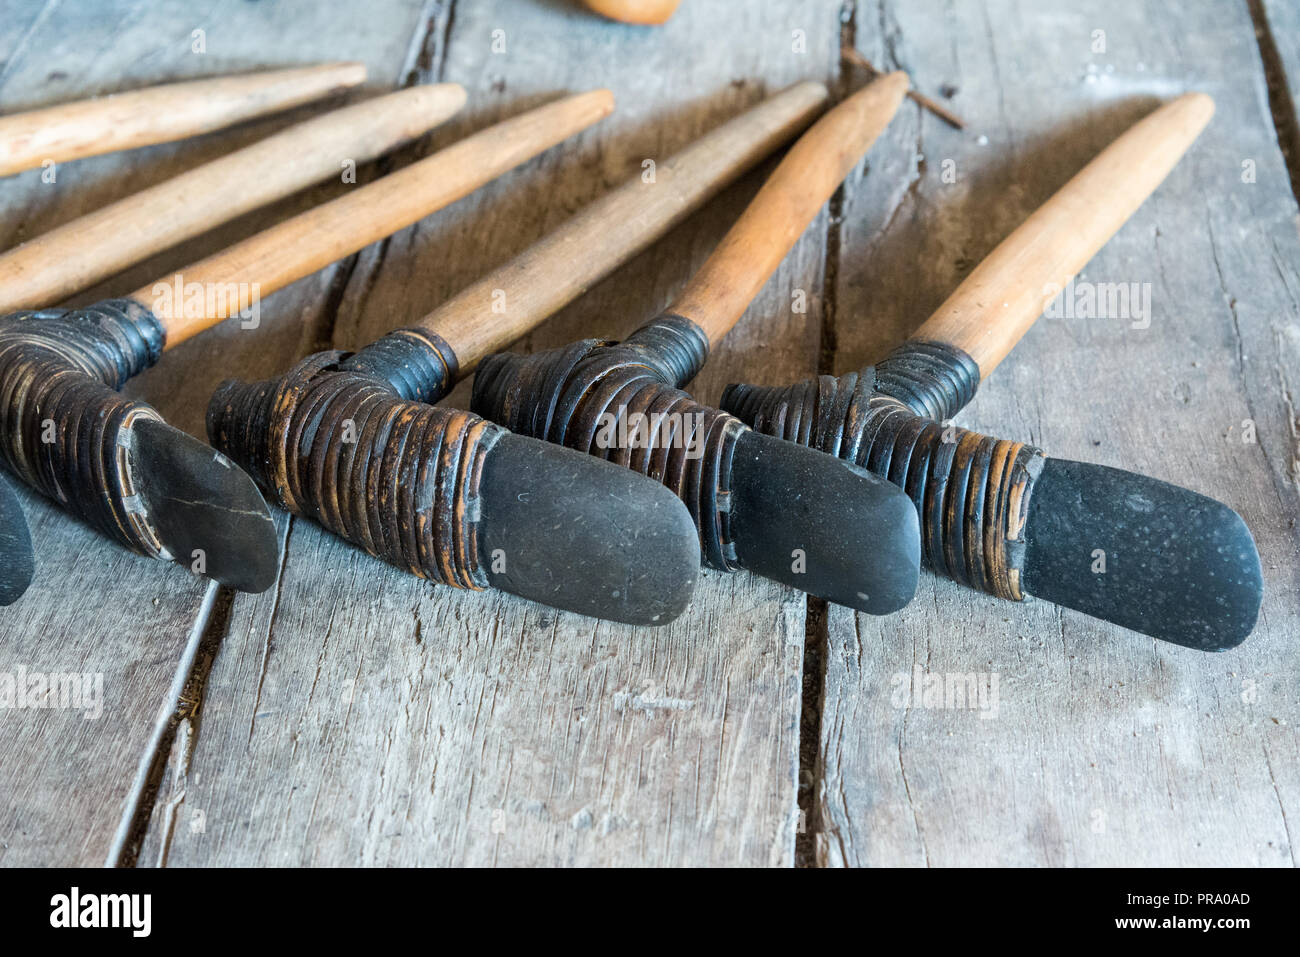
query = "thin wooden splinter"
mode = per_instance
[
  {"x": 160, "y": 114},
  {"x": 952, "y": 119}
]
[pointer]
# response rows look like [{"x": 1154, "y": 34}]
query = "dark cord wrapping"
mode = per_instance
[
  {"x": 970, "y": 490},
  {"x": 350, "y": 442},
  {"x": 570, "y": 395},
  {"x": 65, "y": 367}
]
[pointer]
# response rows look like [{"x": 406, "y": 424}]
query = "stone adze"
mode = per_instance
[
  {"x": 77, "y": 254},
  {"x": 292, "y": 433},
  {"x": 999, "y": 515},
  {"x": 112, "y": 461},
  {"x": 776, "y": 508}
]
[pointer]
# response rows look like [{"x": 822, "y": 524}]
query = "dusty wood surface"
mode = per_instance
[
  {"x": 354, "y": 715},
  {"x": 489, "y": 731},
  {"x": 1106, "y": 748},
  {"x": 94, "y": 607}
]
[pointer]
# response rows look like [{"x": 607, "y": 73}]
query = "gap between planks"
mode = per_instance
[
  {"x": 1287, "y": 132},
  {"x": 424, "y": 62}
]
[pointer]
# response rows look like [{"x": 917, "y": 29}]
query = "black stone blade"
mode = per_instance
[
  {"x": 200, "y": 501},
  {"x": 1177, "y": 566},
  {"x": 17, "y": 563},
  {"x": 823, "y": 525},
  {"x": 584, "y": 535}
]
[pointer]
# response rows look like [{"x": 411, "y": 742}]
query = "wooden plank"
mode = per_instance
[
  {"x": 70, "y": 795},
  {"x": 1105, "y": 748},
  {"x": 362, "y": 716}
]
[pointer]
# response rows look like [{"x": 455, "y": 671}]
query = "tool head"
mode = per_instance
[
  {"x": 454, "y": 498},
  {"x": 576, "y": 533},
  {"x": 112, "y": 461},
  {"x": 1142, "y": 553},
  {"x": 822, "y": 525},
  {"x": 203, "y": 508},
  {"x": 1006, "y": 519},
  {"x": 17, "y": 564}
]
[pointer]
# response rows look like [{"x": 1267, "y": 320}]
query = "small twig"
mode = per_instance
[{"x": 853, "y": 56}]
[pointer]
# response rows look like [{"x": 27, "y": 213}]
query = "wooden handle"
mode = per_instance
[
  {"x": 646, "y": 12},
  {"x": 998, "y": 302},
  {"x": 810, "y": 173},
  {"x": 227, "y": 283},
  {"x": 161, "y": 114},
  {"x": 82, "y": 252},
  {"x": 565, "y": 264}
]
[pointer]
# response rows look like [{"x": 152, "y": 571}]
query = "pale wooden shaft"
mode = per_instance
[
  {"x": 508, "y": 302},
  {"x": 998, "y": 302},
  {"x": 298, "y": 247},
  {"x": 808, "y": 176},
  {"x": 86, "y": 250},
  {"x": 646, "y": 12},
  {"x": 160, "y": 114}
]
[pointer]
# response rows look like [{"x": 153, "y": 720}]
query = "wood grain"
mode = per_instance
[
  {"x": 790, "y": 199},
  {"x": 481, "y": 729},
  {"x": 992, "y": 308},
  {"x": 71, "y": 798},
  {"x": 509, "y": 301},
  {"x": 1107, "y": 748},
  {"x": 358, "y": 715},
  {"x": 288, "y": 251},
  {"x": 156, "y": 115},
  {"x": 71, "y": 257}
]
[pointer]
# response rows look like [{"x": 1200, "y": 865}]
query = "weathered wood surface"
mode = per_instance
[
  {"x": 361, "y": 715},
  {"x": 356, "y": 715},
  {"x": 70, "y": 786},
  {"x": 1106, "y": 749}
]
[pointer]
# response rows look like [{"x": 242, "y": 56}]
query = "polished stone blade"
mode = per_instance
[
  {"x": 207, "y": 511},
  {"x": 1142, "y": 553}
]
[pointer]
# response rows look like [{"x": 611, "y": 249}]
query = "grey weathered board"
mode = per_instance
[
  {"x": 70, "y": 786},
  {"x": 356, "y": 715},
  {"x": 1106, "y": 748},
  {"x": 476, "y": 729}
]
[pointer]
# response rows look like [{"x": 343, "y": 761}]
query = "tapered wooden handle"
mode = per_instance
[
  {"x": 162, "y": 113},
  {"x": 997, "y": 303},
  {"x": 511, "y": 300},
  {"x": 647, "y": 12},
  {"x": 230, "y": 281},
  {"x": 80, "y": 253},
  {"x": 808, "y": 176}
]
